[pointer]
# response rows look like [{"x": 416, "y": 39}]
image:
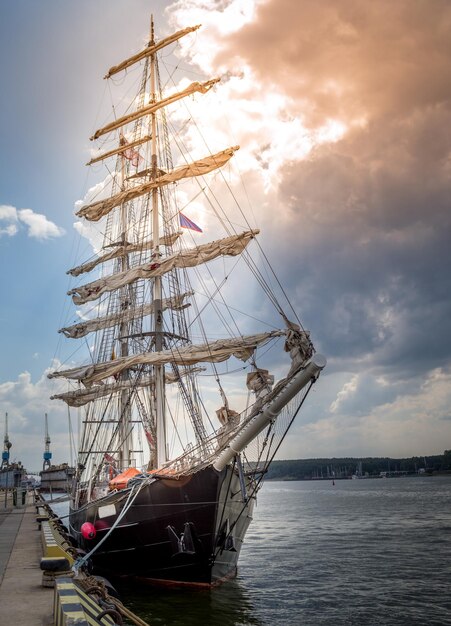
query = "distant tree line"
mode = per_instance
[{"x": 317, "y": 469}]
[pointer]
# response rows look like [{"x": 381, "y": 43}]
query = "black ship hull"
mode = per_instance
[{"x": 187, "y": 531}]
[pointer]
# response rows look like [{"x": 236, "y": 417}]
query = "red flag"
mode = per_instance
[{"x": 130, "y": 154}]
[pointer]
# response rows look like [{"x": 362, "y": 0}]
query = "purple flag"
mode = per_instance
[{"x": 187, "y": 223}]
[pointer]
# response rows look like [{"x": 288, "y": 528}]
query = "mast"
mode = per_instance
[
  {"x": 124, "y": 408},
  {"x": 157, "y": 296}
]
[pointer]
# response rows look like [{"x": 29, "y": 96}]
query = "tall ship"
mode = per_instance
[{"x": 181, "y": 414}]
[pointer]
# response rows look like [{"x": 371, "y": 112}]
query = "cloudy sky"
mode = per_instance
[{"x": 343, "y": 112}]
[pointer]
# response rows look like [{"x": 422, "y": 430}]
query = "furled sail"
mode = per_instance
[
  {"x": 121, "y": 250},
  {"x": 155, "y": 106},
  {"x": 93, "y": 212},
  {"x": 214, "y": 352},
  {"x": 176, "y": 303},
  {"x": 229, "y": 246},
  {"x": 80, "y": 397},
  {"x": 120, "y": 149},
  {"x": 151, "y": 49}
]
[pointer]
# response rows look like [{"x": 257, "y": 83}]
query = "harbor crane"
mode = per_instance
[
  {"x": 6, "y": 445},
  {"x": 47, "y": 454}
]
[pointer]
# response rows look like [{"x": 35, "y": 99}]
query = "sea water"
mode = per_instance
[{"x": 358, "y": 552}]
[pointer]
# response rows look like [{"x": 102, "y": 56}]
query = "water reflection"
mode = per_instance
[{"x": 227, "y": 605}]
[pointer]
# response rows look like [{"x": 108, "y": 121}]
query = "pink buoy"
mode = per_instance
[{"x": 88, "y": 530}]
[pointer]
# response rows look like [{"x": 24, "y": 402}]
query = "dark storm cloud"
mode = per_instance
[{"x": 369, "y": 216}]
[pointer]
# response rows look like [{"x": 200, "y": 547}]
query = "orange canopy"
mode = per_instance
[{"x": 120, "y": 481}]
